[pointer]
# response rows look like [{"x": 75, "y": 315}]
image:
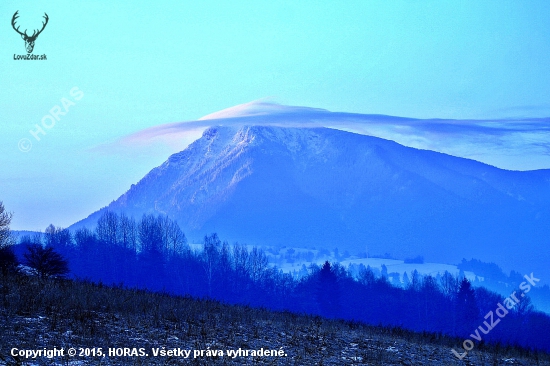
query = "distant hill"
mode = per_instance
[
  {"x": 329, "y": 188},
  {"x": 18, "y": 234}
]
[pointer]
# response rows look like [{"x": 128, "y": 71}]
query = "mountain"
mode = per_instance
[{"x": 329, "y": 188}]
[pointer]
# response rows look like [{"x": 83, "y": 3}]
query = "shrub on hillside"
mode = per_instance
[{"x": 45, "y": 261}]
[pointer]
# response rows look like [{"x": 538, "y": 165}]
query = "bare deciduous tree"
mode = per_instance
[
  {"x": 449, "y": 285},
  {"x": 57, "y": 237},
  {"x": 211, "y": 254},
  {"x": 46, "y": 262},
  {"x": 8, "y": 260},
  {"x": 107, "y": 229},
  {"x": 5, "y": 221},
  {"x": 241, "y": 260},
  {"x": 128, "y": 233},
  {"x": 150, "y": 234},
  {"x": 258, "y": 264},
  {"x": 173, "y": 239}
]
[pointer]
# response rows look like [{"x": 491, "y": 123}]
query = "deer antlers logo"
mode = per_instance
[{"x": 29, "y": 40}]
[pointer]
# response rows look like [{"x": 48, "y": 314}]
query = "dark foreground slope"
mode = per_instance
[
  {"x": 37, "y": 314},
  {"x": 329, "y": 188}
]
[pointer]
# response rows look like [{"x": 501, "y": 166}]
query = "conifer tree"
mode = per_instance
[{"x": 328, "y": 292}]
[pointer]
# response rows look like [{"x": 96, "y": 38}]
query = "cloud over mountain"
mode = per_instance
[{"x": 516, "y": 144}]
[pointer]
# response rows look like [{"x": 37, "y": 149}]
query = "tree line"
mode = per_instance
[{"x": 153, "y": 253}]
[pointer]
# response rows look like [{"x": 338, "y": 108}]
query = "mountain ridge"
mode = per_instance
[{"x": 330, "y": 188}]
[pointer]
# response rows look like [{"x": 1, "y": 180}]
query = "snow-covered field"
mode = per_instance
[
  {"x": 393, "y": 265},
  {"x": 296, "y": 261}
]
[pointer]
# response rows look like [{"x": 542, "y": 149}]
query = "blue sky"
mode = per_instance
[{"x": 142, "y": 64}]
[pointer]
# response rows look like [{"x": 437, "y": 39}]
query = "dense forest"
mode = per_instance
[{"x": 152, "y": 253}]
